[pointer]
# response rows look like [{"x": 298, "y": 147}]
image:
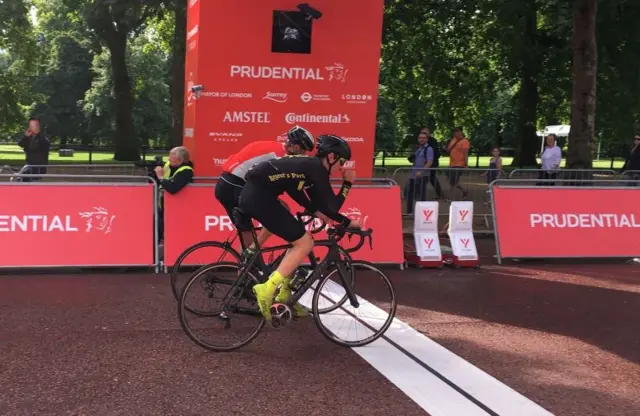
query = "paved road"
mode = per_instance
[{"x": 565, "y": 337}]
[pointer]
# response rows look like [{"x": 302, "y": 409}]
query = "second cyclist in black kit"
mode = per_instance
[{"x": 307, "y": 181}]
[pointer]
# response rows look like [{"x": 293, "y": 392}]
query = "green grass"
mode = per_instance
[
  {"x": 13, "y": 155},
  {"x": 483, "y": 162}
]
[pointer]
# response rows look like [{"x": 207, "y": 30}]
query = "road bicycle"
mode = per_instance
[
  {"x": 238, "y": 301},
  {"x": 262, "y": 270},
  {"x": 228, "y": 253}
]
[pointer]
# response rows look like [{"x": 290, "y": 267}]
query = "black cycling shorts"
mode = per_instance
[
  {"x": 266, "y": 208},
  {"x": 228, "y": 191}
]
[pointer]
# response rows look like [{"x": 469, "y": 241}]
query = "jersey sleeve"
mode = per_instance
[{"x": 322, "y": 197}]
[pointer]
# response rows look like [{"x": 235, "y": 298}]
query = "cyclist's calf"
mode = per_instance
[{"x": 296, "y": 255}]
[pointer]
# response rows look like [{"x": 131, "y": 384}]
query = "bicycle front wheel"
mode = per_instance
[
  {"x": 306, "y": 300},
  {"x": 352, "y": 325},
  {"x": 203, "y": 253}
]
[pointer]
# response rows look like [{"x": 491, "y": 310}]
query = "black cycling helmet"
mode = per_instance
[
  {"x": 300, "y": 136},
  {"x": 330, "y": 143}
]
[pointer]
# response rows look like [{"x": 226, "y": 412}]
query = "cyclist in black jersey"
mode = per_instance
[{"x": 307, "y": 181}]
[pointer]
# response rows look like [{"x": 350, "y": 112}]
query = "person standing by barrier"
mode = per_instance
[
  {"x": 176, "y": 174},
  {"x": 632, "y": 163},
  {"x": 551, "y": 159},
  {"x": 422, "y": 159},
  {"x": 495, "y": 166},
  {"x": 458, "y": 150},
  {"x": 433, "y": 178},
  {"x": 36, "y": 148},
  {"x": 494, "y": 172}
]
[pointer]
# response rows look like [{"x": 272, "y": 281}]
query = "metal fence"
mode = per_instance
[
  {"x": 442, "y": 184},
  {"x": 473, "y": 184}
]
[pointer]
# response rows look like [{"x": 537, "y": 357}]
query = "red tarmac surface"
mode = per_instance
[{"x": 565, "y": 336}]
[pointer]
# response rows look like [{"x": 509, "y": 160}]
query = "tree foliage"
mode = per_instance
[{"x": 111, "y": 72}]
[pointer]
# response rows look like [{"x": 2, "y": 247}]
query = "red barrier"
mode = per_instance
[
  {"x": 550, "y": 222},
  {"x": 249, "y": 89},
  {"x": 77, "y": 225},
  {"x": 194, "y": 215}
]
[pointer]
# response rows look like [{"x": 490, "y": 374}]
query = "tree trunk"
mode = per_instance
[
  {"x": 126, "y": 142},
  {"x": 528, "y": 94},
  {"x": 583, "y": 100},
  {"x": 177, "y": 72}
]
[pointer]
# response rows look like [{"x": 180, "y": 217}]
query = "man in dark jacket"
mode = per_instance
[
  {"x": 173, "y": 177},
  {"x": 631, "y": 165},
  {"x": 36, "y": 148}
]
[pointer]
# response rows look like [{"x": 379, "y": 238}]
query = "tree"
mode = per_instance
[
  {"x": 177, "y": 69},
  {"x": 114, "y": 22},
  {"x": 583, "y": 101}
]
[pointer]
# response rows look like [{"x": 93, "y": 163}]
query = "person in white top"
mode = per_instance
[{"x": 551, "y": 159}]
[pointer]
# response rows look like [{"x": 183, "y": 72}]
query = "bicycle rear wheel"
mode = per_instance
[
  {"x": 373, "y": 314},
  {"x": 242, "y": 312},
  {"x": 213, "y": 250}
]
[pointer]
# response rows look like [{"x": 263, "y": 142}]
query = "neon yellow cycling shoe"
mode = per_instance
[
  {"x": 284, "y": 295},
  {"x": 264, "y": 296}
]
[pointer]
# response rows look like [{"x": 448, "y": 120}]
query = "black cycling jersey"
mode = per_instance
[{"x": 305, "y": 180}]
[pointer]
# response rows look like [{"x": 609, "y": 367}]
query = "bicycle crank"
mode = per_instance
[{"x": 281, "y": 315}]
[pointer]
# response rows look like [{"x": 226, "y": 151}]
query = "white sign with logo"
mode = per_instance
[
  {"x": 464, "y": 246},
  {"x": 461, "y": 216},
  {"x": 425, "y": 231},
  {"x": 461, "y": 230},
  {"x": 426, "y": 216}
]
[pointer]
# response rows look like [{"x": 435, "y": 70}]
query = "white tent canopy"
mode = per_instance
[{"x": 560, "y": 130}]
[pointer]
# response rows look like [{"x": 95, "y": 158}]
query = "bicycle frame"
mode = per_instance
[{"x": 332, "y": 257}]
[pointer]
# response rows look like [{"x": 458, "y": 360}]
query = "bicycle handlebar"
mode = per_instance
[{"x": 338, "y": 232}]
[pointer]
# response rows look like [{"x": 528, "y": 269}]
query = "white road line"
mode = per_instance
[{"x": 421, "y": 385}]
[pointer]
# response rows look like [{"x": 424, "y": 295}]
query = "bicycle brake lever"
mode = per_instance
[{"x": 370, "y": 241}]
